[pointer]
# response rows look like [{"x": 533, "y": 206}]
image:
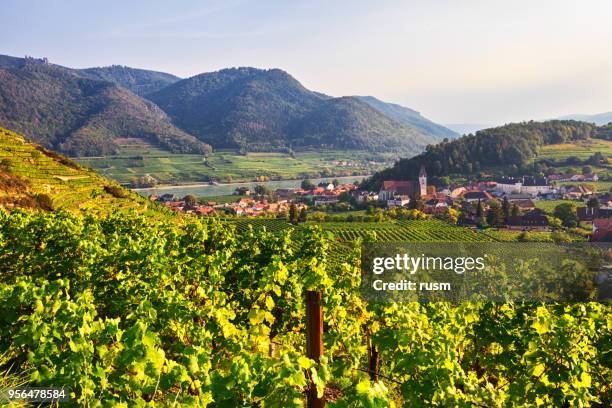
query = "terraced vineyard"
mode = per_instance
[{"x": 69, "y": 185}]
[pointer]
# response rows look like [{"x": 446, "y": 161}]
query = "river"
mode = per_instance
[{"x": 207, "y": 190}]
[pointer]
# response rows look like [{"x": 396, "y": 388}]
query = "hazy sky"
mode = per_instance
[{"x": 456, "y": 61}]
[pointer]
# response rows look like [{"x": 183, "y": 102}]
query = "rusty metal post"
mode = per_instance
[
  {"x": 314, "y": 340},
  {"x": 373, "y": 363}
]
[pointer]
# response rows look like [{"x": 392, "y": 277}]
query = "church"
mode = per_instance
[{"x": 404, "y": 188}]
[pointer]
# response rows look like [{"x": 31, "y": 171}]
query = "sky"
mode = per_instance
[{"x": 469, "y": 61}]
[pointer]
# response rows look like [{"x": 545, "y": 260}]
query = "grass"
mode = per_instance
[
  {"x": 138, "y": 159},
  {"x": 581, "y": 149},
  {"x": 549, "y": 205}
]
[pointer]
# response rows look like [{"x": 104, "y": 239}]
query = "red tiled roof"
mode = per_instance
[{"x": 395, "y": 184}]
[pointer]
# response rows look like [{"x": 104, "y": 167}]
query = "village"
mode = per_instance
[{"x": 503, "y": 202}]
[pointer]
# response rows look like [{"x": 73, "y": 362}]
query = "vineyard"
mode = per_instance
[
  {"x": 130, "y": 311},
  {"x": 68, "y": 185},
  {"x": 403, "y": 231}
]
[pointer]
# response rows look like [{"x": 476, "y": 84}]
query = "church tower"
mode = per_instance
[{"x": 423, "y": 181}]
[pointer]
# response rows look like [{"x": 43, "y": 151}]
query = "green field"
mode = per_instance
[
  {"x": 582, "y": 149},
  {"x": 139, "y": 159},
  {"x": 549, "y": 205}
]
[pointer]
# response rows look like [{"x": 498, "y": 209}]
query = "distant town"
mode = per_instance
[{"x": 504, "y": 203}]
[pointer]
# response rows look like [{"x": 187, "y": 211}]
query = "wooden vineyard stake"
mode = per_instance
[{"x": 314, "y": 340}]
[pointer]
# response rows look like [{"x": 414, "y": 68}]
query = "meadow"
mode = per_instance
[
  {"x": 137, "y": 159},
  {"x": 582, "y": 149}
]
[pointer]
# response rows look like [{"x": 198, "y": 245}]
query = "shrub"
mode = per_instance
[
  {"x": 115, "y": 191},
  {"x": 44, "y": 202}
]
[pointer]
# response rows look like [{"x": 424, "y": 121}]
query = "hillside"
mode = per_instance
[
  {"x": 410, "y": 117},
  {"x": 139, "y": 81},
  {"x": 258, "y": 109},
  {"x": 349, "y": 123},
  {"x": 511, "y": 146},
  {"x": 62, "y": 110},
  {"x": 598, "y": 119},
  {"x": 34, "y": 177}
]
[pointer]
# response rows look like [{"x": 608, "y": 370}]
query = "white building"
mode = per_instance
[{"x": 398, "y": 201}]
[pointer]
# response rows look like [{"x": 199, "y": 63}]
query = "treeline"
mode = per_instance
[{"x": 510, "y": 146}]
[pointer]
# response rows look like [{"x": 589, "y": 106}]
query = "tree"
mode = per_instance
[
  {"x": 597, "y": 159},
  {"x": 560, "y": 237},
  {"x": 318, "y": 216},
  {"x": 593, "y": 202},
  {"x": 190, "y": 200},
  {"x": 262, "y": 190},
  {"x": 293, "y": 216},
  {"x": 479, "y": 209},
  {"x": 44, "y": 202},
  {"x": 587, "y": 170},
  {"x": 346, "y": 197},
  {"x": 303, "y": 216},
  {"x": 506, "y": 207},
  {"x": 566, "y": 212},
  {"x": 415, "y": 202},
  {"x": 515, "y": 212},
  {"x": 554, "y": 222},
  {"x": 307, "y": 185},
  {"x": 495, "y": 215}
]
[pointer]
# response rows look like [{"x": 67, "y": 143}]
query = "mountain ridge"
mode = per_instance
[
  {"x": 251, "y": 108},
  {"x": 599, "y": 119},
  {"x": 60, "y": 109},
  {"x": 83, "y": 111},
  {"x": 410, "y": 117}
]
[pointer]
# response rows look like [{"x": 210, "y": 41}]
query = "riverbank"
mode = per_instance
[{"x": 208, "y": 190}]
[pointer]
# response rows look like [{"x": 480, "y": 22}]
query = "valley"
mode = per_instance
[{"x": 137, "y": 159}]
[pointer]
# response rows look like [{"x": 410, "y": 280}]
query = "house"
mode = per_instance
[
  {"x": 457, "y": 192},
  {"x": 398, "y": 201},
  {"x": 525, "y": 205},
  {"x": 517, "y": 197},
  {"x": 285, "y": 193},
  {"x": 326, "y": 199},
  {"x": 439, "y": 201},
  {"x": 472, "y": 196},
  {"x": 524, "y": 185},
  {"x": 391, "y": 188},
  {"x": 575, "y": 192},
  {"x": 590, "y": 213},
  {"x": 531, "y": 221},
  {"x": 205, "y": 210},
  {"x": 364, "y": 196},
  {"x": 584, "y": 177},
  {"x": 535, "y": 186},
  {"x": 602, "y": 230},
  {"x": 508, "y": 185}
]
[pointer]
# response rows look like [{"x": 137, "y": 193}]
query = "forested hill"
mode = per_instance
[
  {"x": 81, "y": 112},
  {"x": 258, "y": 109},
  {"x": 509, "y": 146},
  {"x": 139, "y": 81},
  {"x": 62, "y": 110},
  {"x": 412, "y": 118}
]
